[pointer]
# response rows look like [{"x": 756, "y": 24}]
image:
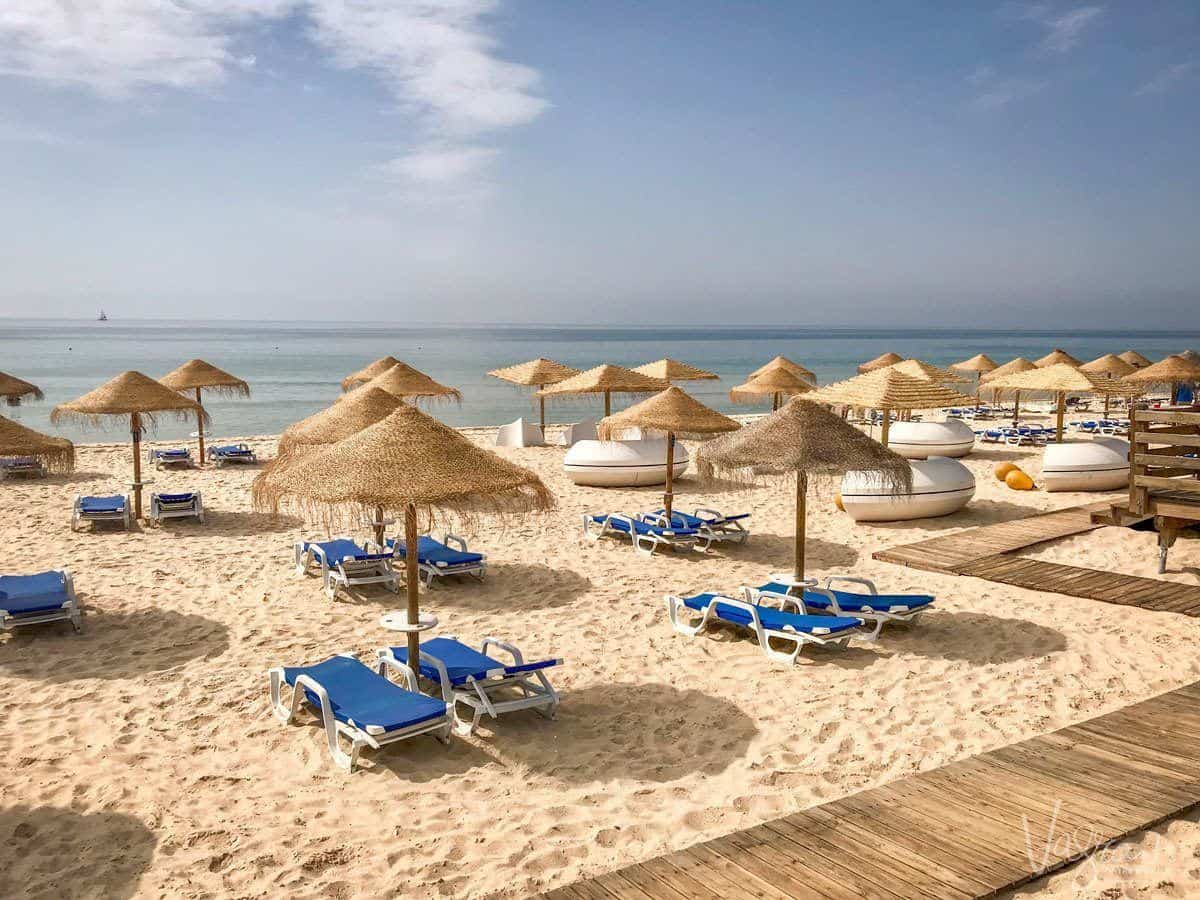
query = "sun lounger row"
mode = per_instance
[
  {"x": 368, "y": 709},
  {"x": 23, "y": 466},
  {"x": 651, "y": 531},
  {"x": 343, "y": 563},
  {"x": 220, "y": 455},
  {"x": 116, "y": 508}
]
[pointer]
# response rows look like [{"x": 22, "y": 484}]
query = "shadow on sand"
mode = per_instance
[{"x": 942, "y": 634}]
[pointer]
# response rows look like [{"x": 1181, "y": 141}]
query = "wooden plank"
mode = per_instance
[
  {"x": 717, "y": 874},
  {"x": 1168, "y": 484},
  {"x": 1168, "y": 417}
]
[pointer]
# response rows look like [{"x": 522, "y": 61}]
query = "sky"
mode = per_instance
[{"x": 647, "y": 162}]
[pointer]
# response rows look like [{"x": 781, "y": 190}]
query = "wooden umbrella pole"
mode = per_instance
[
  {"x": 200, "y": 426},
  {"x": 1107, "y": 399},
  {"x": 801, "y": 516},
  {"x": 669, "y": 495},
  {"x": 378, "y": 523},
  {"x": 1016, "y": 407},
  {"x": 607, "y": 404},
  {"x": 1062, "y": 411},
  {"x": 883, "y": 429},
  {"x": 412, "y": 583},
  {"x": 542, "y": 406},
  {"x": 135, "y": 431},
  {"x": 775, "y": 401}
]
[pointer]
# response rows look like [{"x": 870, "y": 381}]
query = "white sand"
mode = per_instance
[{"x": 158, "y": 770}]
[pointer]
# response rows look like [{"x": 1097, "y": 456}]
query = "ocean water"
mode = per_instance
[{"x": 295, "y": 370}]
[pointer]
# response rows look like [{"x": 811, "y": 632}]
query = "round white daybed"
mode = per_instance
[
  {"x": 920, "y": 440},
  {"x": 623, "y": 463},
  {"x": 940, "y": 486},
  {"x": 1101, "y": 464}
]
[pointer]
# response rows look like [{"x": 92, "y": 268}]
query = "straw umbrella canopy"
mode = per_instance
[
  {"x": 338, "y": 421},
  {"x": 1012, "y": 367},
  {"x": 607, "y": 380},
  {"x": 1134, "y": 358},
  {"x": 880, "y": 362},
  {"x": 889, "y": 390},
  {"x": 403, "y": 381},
  {"x": 793, "y": 367},
  {"x": 920, "y": 369},
  {"x": 804, "y": 440},
  {"x": 775, "y": 381},
  {"x": 197, "y": 375},
  {"x": 366, "y": 373},
  {"x": 1110, "y": 366},
  {"x": 140, "y": 398},
  {"x": 980, "y": 364},
  {"x": 676, "y": 413},
  {"x": 1057, "y": 356},
  {"x": 673, "y": 370},
  {"x": 536, "y": 373},
  {"x": 14, "y": 390},
  {"x": 410, "y": 464},
  {"x": 1061, "y": 379},
  {"x": 1174, "y": 370},
  {"x": 56, "y": 454}
]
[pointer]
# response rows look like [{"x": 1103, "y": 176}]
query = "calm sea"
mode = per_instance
[{"x": 294, "y": 370}]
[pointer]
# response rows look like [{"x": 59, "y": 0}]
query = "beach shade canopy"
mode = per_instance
[
  {"x": 920, "y": 369},
  {"x": 365, "y": 374},
  {"x": 408, "y": 464},
  {"x": 785, "y": 363},
  {"x": 140, "y": 398},
  {"x": 1110, "y": 365},
  {"x": 674, "y": 370},
  {"x": 880, "y": 362},
  {"x": 197, "y": 375},
  {"x": 888, "y": 390},
  {"x": 774, "y": 382},
  {"x": 14, "y": 390},
  {"x": 980, "y": 363},
  {"x": 403, "y": 381},
  {"x": 803, "y": 440},
  {"x": 338, "y": 421},
  {"x": 676, "y": 413},
  {"x": 607, "y": 380},
  {"x": 55, "y": 453},
  {"x": 1013, "y": 366},
  {"x": 1134, "y": 358},
  {"x": 536, "y": 373},
  {"x": 1057, "y": 356},
  {"x": 1061, "y": 379}
]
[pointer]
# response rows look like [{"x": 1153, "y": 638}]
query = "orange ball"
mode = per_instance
[
  {"x": 1002, "y": 469},
  {"x": 1018, "y": 480}
]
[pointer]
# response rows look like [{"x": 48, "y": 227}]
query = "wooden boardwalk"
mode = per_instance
[{"x": 970, "y": 829}]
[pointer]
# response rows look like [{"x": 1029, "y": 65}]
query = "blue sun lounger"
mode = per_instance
[
  {"x": 343, "y": 564},
  {"x": 708, "y": 523},
  {"x": 36, "y": 599},
  {"x": 481, "y": 682},
  {"x": 436, "y": 559},
  {"x": 360, "y": 704},
  {"x": 178, "y": 456},
  {"x": 231, "y": 453},
  {"x": 100, "y": 509},
  {"x": 768, "y": 623},
  {"x": 872, "y": 606},
  {"x": 645, "y": 537},
  {"x": 177, "y": 506},
  {"x": 21, "y": 465}
]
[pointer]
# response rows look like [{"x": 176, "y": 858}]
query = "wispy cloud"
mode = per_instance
[
  {"x": 1063, "y": 28},
  {"x": 1167, "y": 78},
  {"x": 995, "y": 91}
]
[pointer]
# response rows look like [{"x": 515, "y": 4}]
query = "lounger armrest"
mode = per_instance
[
  {"x": 701, "y": 511},
  {"x": 510, "y": 649},
  {"x": 658, "y": 519},
  {"x": 784, "y": 600},
  {"x": 852, "y": 579},
  {"x": 620, "y": 517},
  {"x": 456, "y": 540},
  {"x": 304, "y": 682},
  {"x": 388, "y": 662}
]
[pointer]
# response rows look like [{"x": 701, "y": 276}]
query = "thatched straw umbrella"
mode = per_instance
[
  {"x": 1057, "y": 356},
  {"x": 14, "y": 390},
  {"x": 134, "y": 395},
  {"x": 366, "y": 373},
  {"x": 197, "y": 375},
  {"x": 607, "y": 380},
  {"x": 1174, "y": 370},
  {"x": 536, "y": 373},
  {"x": 338, "y": 421},
  {"x": 673, "y": 370},
  {"x": 677, "y": 414},
  {"x": 889, "y": 390},
  {"x": 880, "y": 362},
  {"x": 793, "y": 367},
  {"x": 56, "y": 454},
  {"x": 775, "y": 381},
  {"x": 918, "y": 368},
  {"x": 980, "y": 364},
  {"x": 1110, "y": 366},
  {"x": 407, "y": 383},
  {"x": 804, "y": 440},
  {"x": 410, "y": 464},
  {"x": 1012, "y": 367},
  {"x": 1134, "y": 358},
  {"x": 1061, "y": 379}
]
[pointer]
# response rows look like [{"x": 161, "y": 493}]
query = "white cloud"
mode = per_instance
[
  {"x": 1063, "y": 29},
  {"x": 997, "y": 91},
  {"x": 1167, "y": 78},
  {"x": 439, "y": 163}
]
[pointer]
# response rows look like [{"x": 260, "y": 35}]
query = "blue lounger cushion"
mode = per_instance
[
  {"x": 230, "y": 450},
  {"x": 363, "y": 698},
  {"x": 114, "y": 504},
  {"x": 775, "y": 619},
  {"x": 685, "y": 520},
  {"x": 341, "y": 549},
  {"x": 178, "y": 453},
  {"x": 42, "y": 592},
  {"x": 643, "y": 528},
  {"x": 176, "y": 498},
  {"x": 851, "y": 600},
  {"x": 462, "y": 662},
  {"x": 434, "y": 552}
]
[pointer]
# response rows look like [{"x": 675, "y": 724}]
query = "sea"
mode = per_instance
[{"x": 296, "y": 369}]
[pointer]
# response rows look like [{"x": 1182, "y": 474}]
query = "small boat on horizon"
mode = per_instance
[{"x": 102, "y": 317}]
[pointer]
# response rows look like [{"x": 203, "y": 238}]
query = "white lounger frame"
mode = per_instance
[
  {"x": 347, "y": 573},
  {"x": 159, "y": 462},
  {"x": 78, "y": 516},
  {"x": 644, "y": 544},
  {"x": 717, "y": 530},
  {"x": 177, "y": 509},
  {"x": 797, "y": 639},
  {"x": 372, "y": 736},
  {"x": 901, "y": 615},
  {"x": 33, "y": 467},
  {"x": 482, "y": 696},
  {"x": 219, "y": 460},
  {"x": 69, "y": 612}
]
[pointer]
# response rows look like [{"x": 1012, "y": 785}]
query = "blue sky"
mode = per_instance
[{"x": 887, "y": 163}]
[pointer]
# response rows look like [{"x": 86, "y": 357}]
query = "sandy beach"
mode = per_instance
[{"x": 141, "y": 757}]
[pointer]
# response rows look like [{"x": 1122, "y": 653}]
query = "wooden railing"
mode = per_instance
[{"x": 1160, "y": 442}]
